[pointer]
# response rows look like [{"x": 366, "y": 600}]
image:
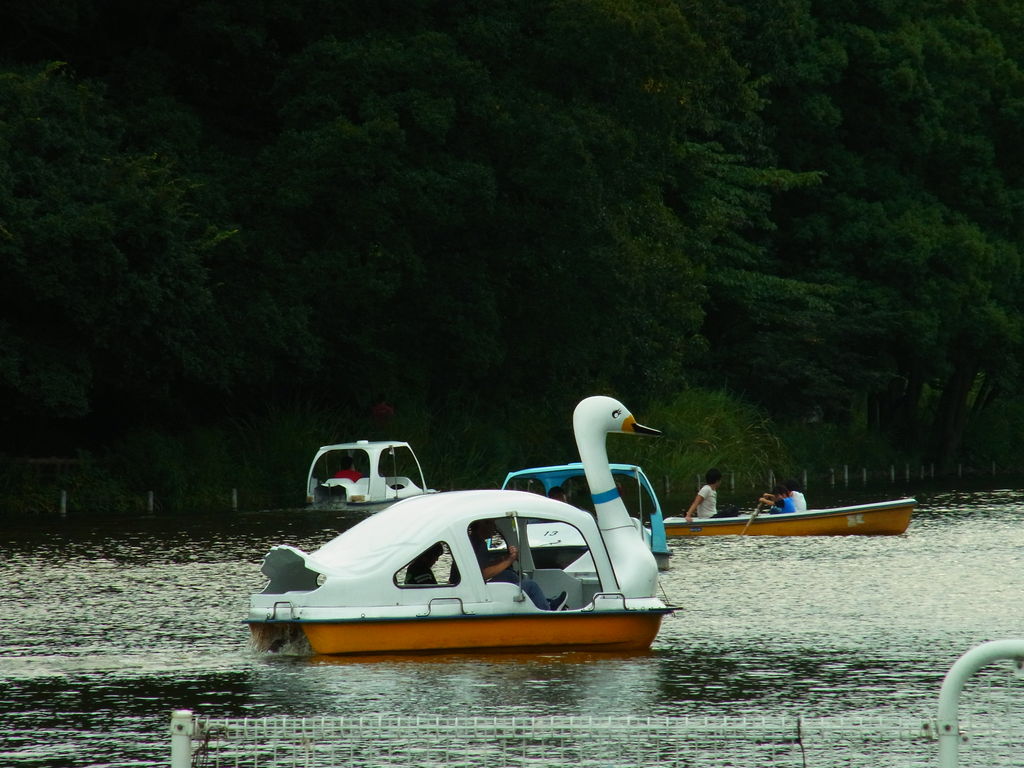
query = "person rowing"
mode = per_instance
[{"x": 778, "y": 501}]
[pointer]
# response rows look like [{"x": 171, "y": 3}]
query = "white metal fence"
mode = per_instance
[{"x": 979, "y": 722}]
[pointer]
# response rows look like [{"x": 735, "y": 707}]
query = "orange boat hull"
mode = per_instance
[
  {"x": 596, "y": 631},
  {"x": 885, "y": 519}
]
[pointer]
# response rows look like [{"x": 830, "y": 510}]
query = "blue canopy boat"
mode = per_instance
[{"x": 633, "y": 486}]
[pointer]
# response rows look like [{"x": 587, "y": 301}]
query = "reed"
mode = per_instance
[{"x": 704, "y": 429}]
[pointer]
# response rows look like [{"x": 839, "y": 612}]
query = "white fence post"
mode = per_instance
[
  {"x": 948, "y": 725},
  {"x": 181, "y": 738}
]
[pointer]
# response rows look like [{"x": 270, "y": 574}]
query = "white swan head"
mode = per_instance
[{"x": 598, "y": 416}]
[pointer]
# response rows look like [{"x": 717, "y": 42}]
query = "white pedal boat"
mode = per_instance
[{"x": 352, "y": 595}]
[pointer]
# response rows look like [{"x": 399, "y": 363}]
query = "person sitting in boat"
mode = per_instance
[
  {"x": 705, "y": 503},
  {"x": 780, "y": 500},
  {"x": 557, "y": 493},
  {"x": 497, "y": 567},
  {"x": 420, "y": 570},
  {"x": 796, "y": 494},
  {"x": 347, "y": 471}
]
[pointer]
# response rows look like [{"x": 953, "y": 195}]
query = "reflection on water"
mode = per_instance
[{"x": 109, "y": 627}]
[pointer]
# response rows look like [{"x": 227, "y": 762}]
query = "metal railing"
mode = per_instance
[{"x": 985, "y": 730}]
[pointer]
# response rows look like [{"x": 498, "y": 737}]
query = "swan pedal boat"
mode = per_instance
[
  {"x": 353, "y": 595},
  {"x": 560, "y": 544},
  {"x": 390, "y": 472},
  {"x": 884, "y": 518}
]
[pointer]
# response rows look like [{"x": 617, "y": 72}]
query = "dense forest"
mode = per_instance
[{"x": 211, "y": 210}]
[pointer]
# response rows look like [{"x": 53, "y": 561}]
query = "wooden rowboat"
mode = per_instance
[{"x": 884, "y": 518}]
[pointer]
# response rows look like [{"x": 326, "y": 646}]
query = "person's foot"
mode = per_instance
[{"x": 558, "y": 603}]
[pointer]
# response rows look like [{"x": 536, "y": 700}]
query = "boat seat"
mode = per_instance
[
  {"x": 339, "y": 482},
  {"x": 402, "y": 486}
]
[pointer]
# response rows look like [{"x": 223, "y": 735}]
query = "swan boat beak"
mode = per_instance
[{"x": 630, "y": 424}]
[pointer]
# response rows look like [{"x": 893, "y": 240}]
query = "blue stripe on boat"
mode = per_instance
[{"x": 601, "y": 498}]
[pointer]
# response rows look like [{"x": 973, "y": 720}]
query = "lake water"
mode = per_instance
[{"x": 109, "y": 625}]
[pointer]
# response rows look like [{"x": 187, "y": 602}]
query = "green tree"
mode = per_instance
[
  {"x": 907, "y": 252},
  {"x": 105, "y": 263}
]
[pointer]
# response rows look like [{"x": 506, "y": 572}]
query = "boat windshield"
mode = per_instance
[{"x": 637, "y": 498}]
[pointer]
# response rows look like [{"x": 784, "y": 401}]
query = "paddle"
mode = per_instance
[{"x": 751, "y": 519}]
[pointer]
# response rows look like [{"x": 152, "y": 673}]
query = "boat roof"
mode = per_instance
[
  {"x": 402, "y": 530},
  {"x": 365, "y": 445}
]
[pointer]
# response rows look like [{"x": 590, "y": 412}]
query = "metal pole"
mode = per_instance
[
  {"x": 519, "y": 545},
  {"x": 949, "y": 695},
  {"x": 181, "y": 738}
]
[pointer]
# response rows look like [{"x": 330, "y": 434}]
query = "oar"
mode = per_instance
[{"x": 749, "y": 521}]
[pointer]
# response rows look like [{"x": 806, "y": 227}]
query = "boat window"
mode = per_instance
[
  {"x": 637, "y": 499},
  {"x": 555, "y": 544},
  {"x": 574, "y": 488},
  {"x": 530, "y": 484},
  {"x": 577, "y": 492},
  {"x": 431, "y": 568},
  {"x": 398, "y": 464},
  {"x": 330, "y": 464}
]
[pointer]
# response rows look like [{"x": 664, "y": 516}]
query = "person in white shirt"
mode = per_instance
[
  {"x": 796, "y": 495},
  {"x": 705, "y": 503}
]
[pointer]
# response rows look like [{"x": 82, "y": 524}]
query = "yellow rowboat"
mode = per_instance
[{"x": 884, "y": 518}]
